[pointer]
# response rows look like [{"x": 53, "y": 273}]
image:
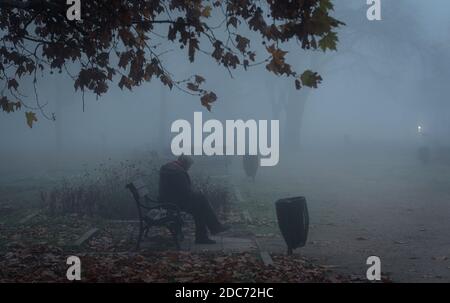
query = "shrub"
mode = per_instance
[
  {"x": 217, "y": 192},
  {"x": 102, "y": 192}
]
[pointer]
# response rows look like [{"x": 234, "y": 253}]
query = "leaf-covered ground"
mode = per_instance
[
  {"x": 36, "y": 251},
  {"x": 43, "y": 263}
]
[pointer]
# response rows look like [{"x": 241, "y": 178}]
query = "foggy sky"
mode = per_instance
[{"x": 386, "y": 78}]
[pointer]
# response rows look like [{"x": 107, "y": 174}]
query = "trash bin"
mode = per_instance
[{"x": 293, "y": 220}]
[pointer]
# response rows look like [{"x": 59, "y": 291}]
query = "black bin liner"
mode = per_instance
[{"x": 293, "y": 220}]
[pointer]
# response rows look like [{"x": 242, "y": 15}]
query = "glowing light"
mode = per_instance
[{"x": 419, "y": 129}]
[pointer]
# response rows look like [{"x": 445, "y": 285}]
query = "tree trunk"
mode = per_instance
[
  {"x": 163, "y": 145},
  {"x": 295, "y": 108}
]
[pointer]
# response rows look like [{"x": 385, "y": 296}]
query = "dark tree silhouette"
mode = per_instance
[{"x": 119, "y": 41}]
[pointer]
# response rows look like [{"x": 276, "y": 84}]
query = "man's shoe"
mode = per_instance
[
  {"x": 205, "y": 241},
  {"x": 222, "y": 228}
]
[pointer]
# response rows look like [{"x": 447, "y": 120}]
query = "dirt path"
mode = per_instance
[{"x": 397, "y": 211}]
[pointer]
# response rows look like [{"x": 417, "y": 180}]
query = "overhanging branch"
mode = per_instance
[{"x": 28, "y": 4}]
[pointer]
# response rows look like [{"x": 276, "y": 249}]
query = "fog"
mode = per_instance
[
  {"x": 346, "y": 143},
  {"x": 385, "y": 79}
]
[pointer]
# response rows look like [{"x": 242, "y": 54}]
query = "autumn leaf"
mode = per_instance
[
  {"x": 242, "y": 43},
  {"x": 206, "y": 11},
  {"x": 277, "y": 54},
  {"x": 310, "y": 79},
  {"x": 31, "y": 117},
  {"x": 329, "y": 41},
  {"x": 218, "y": 50},
  {"x": 166, "y": 80},
  {"x": 207, "y": 99},
  {"x": 192, "y": 86},
  {"x": 277, "y": 64},
  {"x": 8, "y": 106},
  {"x": 125, "y": 81},
  {"x": 199, "y": 79},
  {"x": 233, "y": 21},
  {"x": 13, "y": 84}
]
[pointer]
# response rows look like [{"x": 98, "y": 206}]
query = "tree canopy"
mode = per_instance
[{"x": 120, "y": 42}]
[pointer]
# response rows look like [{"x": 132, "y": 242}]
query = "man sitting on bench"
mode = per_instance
[{"x": 175, "y": 187}]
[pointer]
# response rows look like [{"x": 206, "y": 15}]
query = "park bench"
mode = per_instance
[{"x": 153, "y": 213}]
